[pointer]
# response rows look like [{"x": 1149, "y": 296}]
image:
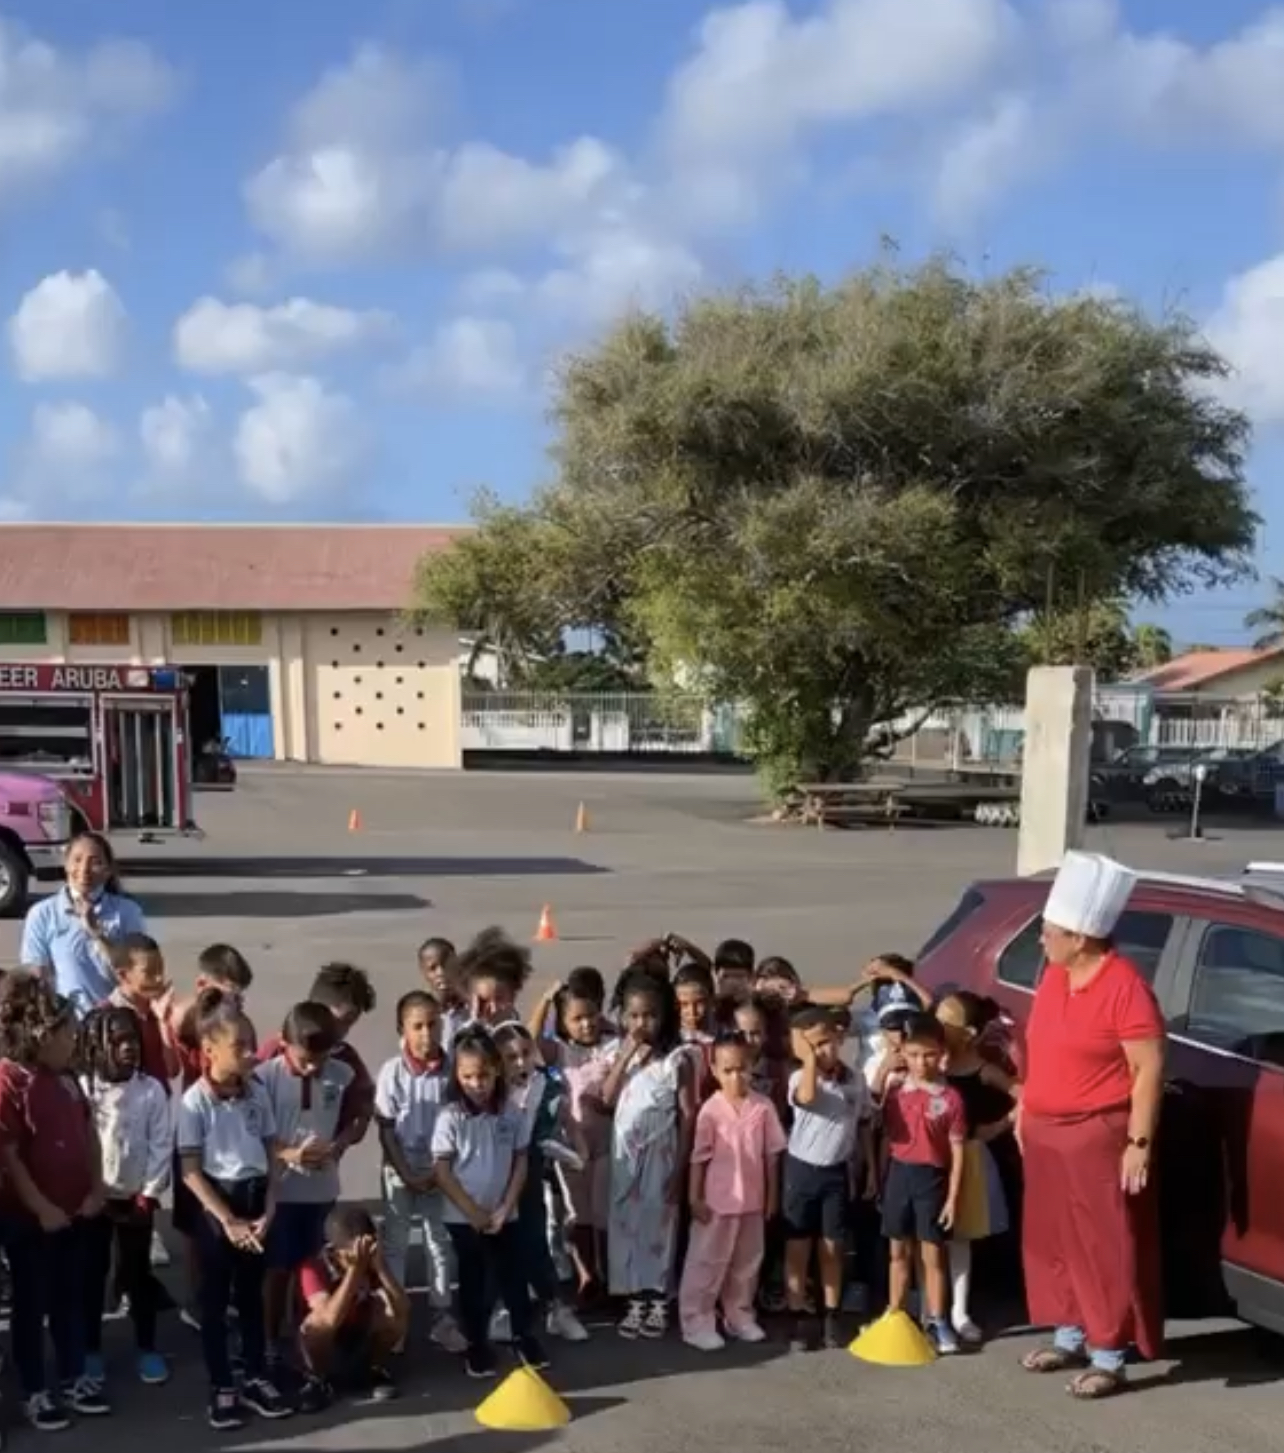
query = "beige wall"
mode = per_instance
[
  {"x": 350, "y": 689},
  {"x": 1240, "y": 685},
  {"x": 381, "y": 693}
]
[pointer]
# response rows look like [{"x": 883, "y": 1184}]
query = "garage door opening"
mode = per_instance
[{"x": 233, "y": 705}]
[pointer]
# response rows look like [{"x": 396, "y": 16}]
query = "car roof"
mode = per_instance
[{"x": 1257, "y": 882}]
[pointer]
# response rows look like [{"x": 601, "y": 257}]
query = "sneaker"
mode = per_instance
[
  {"x": 95, "y": 1368},
  {"x": 704, "y": 1341},
  {"x": 969, "y": 1334},
  {"x": 562, "y": 1322},
  {"x": 943, "y": 1338},
  {"x": 225, "y": 1411},
  {"x": 501, "y": 1326},
  {"x": 479, "y": 1362},
  {"x": 261, "y": 1396},
  {"x": 315, "y": 1395},
  {"x": 656, "y": 1321},
  {"x": 86, "y": 1398},
  {"x": 153, "y": 1370},
  {"x": 45, "y": 1415},
  {"x": 530, "y": 1353},
  {"x": 635, "y": 1315},
  {"x": 446, "y": 1334},
  {"x": 831, "y": 1332},
  {"x": 378, "y": 1385},
  {"x": 746, "y": 1332},
  {"x": 802, "y": 1336}
]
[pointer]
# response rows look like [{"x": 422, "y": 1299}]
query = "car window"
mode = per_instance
[
  {"x": 1237, "y": 997},
  {"x": 1139, "y": 936}
]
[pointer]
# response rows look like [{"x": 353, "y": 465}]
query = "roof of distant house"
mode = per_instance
[
  {"x": 1194, "y": 669},
  {"x": 131, "y": 567}
]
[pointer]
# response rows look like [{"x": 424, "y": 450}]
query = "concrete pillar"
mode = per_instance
[{"x": 1055, "y": 765}]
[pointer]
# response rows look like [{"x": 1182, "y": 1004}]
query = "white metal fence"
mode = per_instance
[{"x": 683, "y": 724}]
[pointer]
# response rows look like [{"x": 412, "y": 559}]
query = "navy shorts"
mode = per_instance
[
  {"x": 913, "y": 1198},
  {"x": 296, "y": 1235},
  {"x": 813, "y": 1202}
]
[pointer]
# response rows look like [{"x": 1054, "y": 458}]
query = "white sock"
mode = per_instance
[{"x": 961, "y": 1277}]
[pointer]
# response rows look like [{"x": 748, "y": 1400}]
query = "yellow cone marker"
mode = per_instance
[
  {"x": 895, "y": 1340},
  {"x": 523, "y": 1403}
]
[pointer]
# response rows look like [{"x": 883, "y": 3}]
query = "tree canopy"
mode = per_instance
[{"x": 837, "y": 505}]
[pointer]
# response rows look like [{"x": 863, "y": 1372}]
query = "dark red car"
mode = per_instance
[{"x": 1214, "y": 951}]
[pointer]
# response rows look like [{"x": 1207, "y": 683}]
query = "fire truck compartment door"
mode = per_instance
[{"x": 140, "y": 763}]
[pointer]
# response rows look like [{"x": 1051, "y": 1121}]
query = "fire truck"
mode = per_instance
[{"x": 104, "y": 747}]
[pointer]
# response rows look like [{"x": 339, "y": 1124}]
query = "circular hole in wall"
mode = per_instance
[{"x": 334, "y": 630}]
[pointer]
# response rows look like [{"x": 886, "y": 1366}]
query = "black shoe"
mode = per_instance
[
  {"x": 315, "y": 1395},
  {"x": 479, "y": 1362},
  {"x": 530, "y": 1353},
  {"x": 86, "y": 1398},
  {"x": 225, "y": 1410},
  {"x": 261, "y": 1396},
  {"x": 803, "y": 1336},
  {"x": 831, "y": 1335},
  {"x": 44, "y": 1414},
  {"x": 381, "y": 1388}
]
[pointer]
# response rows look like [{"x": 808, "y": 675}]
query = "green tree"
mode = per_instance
[
  {"x": 1267, "y": 621},
  {"x": 1151, "y": 646},
  {"x": 1098, "y": 635},
  {"x": 837, "y": 505}
]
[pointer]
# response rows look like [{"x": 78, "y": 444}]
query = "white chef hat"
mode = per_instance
[{"x": 1089, "y": 894}]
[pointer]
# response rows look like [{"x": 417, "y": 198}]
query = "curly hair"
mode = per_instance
[
  {"x": 98, "y": 1032},
  {"x": 640, "y": 983},
  {"x": 343, "y": 987},
  {"x": 30, "y": 1014},
  {"x": 494, "y": 955}
]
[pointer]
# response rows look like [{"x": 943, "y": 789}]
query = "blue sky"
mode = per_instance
[{"x": 253, "y": 268}]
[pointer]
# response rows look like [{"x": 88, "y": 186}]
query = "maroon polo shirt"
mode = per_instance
[{"x": 46, "y": 1119}]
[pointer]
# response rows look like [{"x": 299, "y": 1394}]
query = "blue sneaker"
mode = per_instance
[
  {"x": 152, "y": 1369},
  {"x": 95, "y": 1369},
  {"x": 942, "y": 1335}
]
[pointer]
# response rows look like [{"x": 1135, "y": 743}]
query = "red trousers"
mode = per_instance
[{"x": 1091, "y": 1252}]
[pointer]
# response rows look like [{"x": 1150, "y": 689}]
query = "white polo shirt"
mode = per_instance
[{"x": 228, "y": 1132}]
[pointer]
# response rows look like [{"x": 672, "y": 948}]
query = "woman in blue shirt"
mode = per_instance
[{"x": 69, "y": 935}]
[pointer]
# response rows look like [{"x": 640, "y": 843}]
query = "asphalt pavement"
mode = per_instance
[{"x": 281, "y": 876}]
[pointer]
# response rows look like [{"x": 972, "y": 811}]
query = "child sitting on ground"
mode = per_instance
[{"x": 357, "y": 1314}]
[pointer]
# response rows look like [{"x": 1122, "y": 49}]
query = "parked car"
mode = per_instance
[
  {"x": 35, "y": 825},
  {"x": 1124, "y": 777},
  {"x": 1213, "y": 949},
  {"x": 1233, "y": 777}
]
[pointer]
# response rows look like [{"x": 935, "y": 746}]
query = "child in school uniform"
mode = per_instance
[
  {"x": 136, "y": 1135},
  {"x": 227, "y": 1140},
  {"x": 50, "y": 1188},
  {"x": 830, "y": 1105},
  {"x": 733, "y": 1190},
  {"x": 409, "y": 1092},
  {"x": 142, "y": 988},
  {"x": 479, "y": 1147},
  {"x": 357, "y": 1313},
  {"x": 439, "y": 969},
  {"x": 493, "y": 971},
  {"x": 317, "y": 1109},
  {"x": 219, "y": 969},
  {"x": 733, "y": 971}
]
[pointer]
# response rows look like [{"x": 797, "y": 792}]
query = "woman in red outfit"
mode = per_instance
[{"x": 1089, "y": 1113}]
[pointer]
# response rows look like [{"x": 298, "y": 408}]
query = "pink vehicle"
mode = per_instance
[{"x": 35, "y": 825}]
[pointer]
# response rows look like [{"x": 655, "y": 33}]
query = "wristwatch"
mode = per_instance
[{"x": 1139, "y": 1142}]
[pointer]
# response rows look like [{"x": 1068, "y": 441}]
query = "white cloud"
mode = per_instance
[
  {"x": 213, "y": 337},
  {"x": 252, "y": 275},
  {"x": 472, "y": 358},
  {"x": 56, "y": 106},
  {"x": 986, "y": 157},
  {"x": 68, "y": 446},
  {"x": 613, "y": 269},
  {"x": 1248, "y": 330},
  {"x": 70, "y": 325},
  {"x": 299, "y": 440},
  {"x": 176, "y": 437}
]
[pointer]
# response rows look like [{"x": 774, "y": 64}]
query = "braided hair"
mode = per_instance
[
  {"x": 100, "y": 1034},
  {"x": 31, "y": 1013}
]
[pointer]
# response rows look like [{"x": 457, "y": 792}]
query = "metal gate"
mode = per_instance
[{"x": 140, "y": 763}]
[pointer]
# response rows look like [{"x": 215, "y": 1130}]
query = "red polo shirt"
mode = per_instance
[
  {"x": 1074, "y": 1057},
  {"x": 46, "y": 1119},
  {"x": 320, "y": 1277},
  {"x": 922, "y": 1122}
]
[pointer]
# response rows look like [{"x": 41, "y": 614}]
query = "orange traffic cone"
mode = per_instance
[
  {"x": 354, "y": 821},
  {"x": 581, "y": 819},
  {"x": 546, "y": 932}
]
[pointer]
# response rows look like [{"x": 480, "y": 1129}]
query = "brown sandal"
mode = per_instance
[
  {"x": 1051, "y": 1359},
  {"x": 1094, "y": 1384}
]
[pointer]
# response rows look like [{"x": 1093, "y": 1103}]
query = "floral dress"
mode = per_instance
[{"x": 642, "y": 1225}]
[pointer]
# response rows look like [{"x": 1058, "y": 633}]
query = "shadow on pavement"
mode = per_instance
[
  {"x": 276, "y": 903},
  {"x": 355, "y": 866},
  {"x": 1236, "y": 1357}
]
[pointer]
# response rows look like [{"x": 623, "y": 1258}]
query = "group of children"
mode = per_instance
[{"x": 697, "y": 1135}]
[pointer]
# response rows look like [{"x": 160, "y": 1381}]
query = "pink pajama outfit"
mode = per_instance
[{"x": 741, "y": 1144}]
